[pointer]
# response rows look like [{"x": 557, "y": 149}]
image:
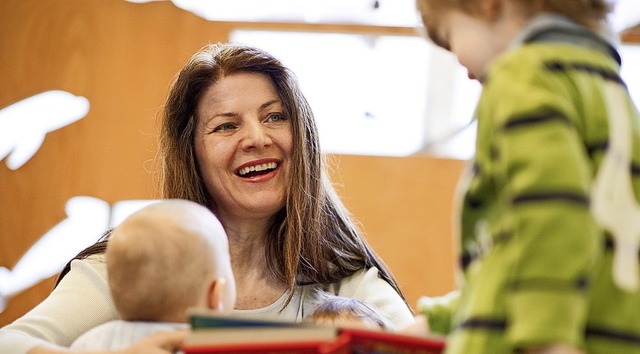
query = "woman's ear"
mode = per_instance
[{"x": 215, "y": 296}]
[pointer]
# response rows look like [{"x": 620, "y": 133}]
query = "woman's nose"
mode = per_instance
[{"x": 255, "y": 136}]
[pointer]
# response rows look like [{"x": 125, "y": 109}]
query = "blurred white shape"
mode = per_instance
[
  {"x": 365, "y": 12},
  {"x": 87, "y": 219},
  {"x": 24, "y": 124},
  {"x": 630, "y": 71},
  {"x": 122, "y": 209},
  {"x": 367, "y": 99},
  {"x": 403, "y": 13},
  {"x": 625, "y": 14}
]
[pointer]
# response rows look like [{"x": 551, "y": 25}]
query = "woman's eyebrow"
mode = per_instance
[
  {"x": 234, "y": 114},
  {"x": 268, "y": 103},
  {"x": 223, "y": 114}
]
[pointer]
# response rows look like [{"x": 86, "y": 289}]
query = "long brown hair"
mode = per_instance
[{"x": 314, "y": 239}]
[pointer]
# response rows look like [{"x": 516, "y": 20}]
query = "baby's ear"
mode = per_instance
[{"x": 216, "y": 294}]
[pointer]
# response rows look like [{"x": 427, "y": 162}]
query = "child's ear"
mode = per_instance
[
  {"x": 216, "y": 294},
  {"x": 491, "y": 9}
]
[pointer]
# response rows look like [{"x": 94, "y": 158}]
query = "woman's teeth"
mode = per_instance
[{"x": 257, "y": 168}]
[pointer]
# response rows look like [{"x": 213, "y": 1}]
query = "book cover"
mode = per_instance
[
  {"x": 203, "y": 319},
  {"x": 218, "y": 333},
  {"x": 366, "y": 341},
  {"x": 262, "y": 335},
  {"x": 271, "y": 348},
  {"x": 213, "y": 333}
]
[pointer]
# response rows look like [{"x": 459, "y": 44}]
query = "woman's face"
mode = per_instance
[{"x": 243, "y": 146}]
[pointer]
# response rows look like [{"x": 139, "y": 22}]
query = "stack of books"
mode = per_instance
[{"x": 213, "y": 333}]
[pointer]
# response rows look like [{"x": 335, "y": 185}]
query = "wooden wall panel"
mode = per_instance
[
  {"x": 405, "y": 208},
  {"x": 631, "y": 35},
  {"x": 122, "y": 57}
]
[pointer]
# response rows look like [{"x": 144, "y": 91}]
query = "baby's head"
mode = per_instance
[
  {"x": 347, "y": 312},
  {"x": 166, "y": 258}
]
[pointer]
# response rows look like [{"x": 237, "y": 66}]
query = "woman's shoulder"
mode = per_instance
[
  {"x": 90, "y": 271},
  {"x": 95, "y": 264},
  {"x": 360, "y": 280},
  {"x": 367, "y": 285}
]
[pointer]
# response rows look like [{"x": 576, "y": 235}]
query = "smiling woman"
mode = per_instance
[
  {"x": 239, "y": 137},
  {"x": 286, "y": 227}
]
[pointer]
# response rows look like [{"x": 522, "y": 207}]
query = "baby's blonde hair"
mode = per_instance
[
  {"x": 160, "y": 258},
  {"x": 589, "y": 13}
]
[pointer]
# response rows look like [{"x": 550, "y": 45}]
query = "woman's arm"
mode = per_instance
[
  {"x": 81, "y": 301},
  {"x": 158, "y": 343}
]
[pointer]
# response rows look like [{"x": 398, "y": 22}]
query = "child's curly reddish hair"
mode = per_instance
[{"x": 589, "y": 13}]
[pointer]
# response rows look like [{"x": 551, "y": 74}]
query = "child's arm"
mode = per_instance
[{"x": 438, "y": 311}]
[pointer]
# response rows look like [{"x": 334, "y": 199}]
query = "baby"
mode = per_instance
[
  {"x": 162, "y": 260},
  {"x": 347, "y": 312}
]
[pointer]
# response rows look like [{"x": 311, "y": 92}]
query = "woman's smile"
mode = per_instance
[{"x": 259, "y": 170}]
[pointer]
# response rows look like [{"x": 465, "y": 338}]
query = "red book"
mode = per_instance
[
  {"x": 367, "y": 341},
  {"x": 214, "y": 333}
]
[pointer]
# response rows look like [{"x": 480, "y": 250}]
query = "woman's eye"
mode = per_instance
[
  {"x": 224, "y": 127},
  {"x": 275, "y": 117}
]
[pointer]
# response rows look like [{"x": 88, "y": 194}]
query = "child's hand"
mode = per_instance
[{"x": 554, "y": 349}]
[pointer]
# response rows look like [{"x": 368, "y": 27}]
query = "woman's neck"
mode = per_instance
[{"x": 256, "y": 286}]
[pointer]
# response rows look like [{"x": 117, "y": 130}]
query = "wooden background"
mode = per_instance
[{"x": 122, "y": 57}]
